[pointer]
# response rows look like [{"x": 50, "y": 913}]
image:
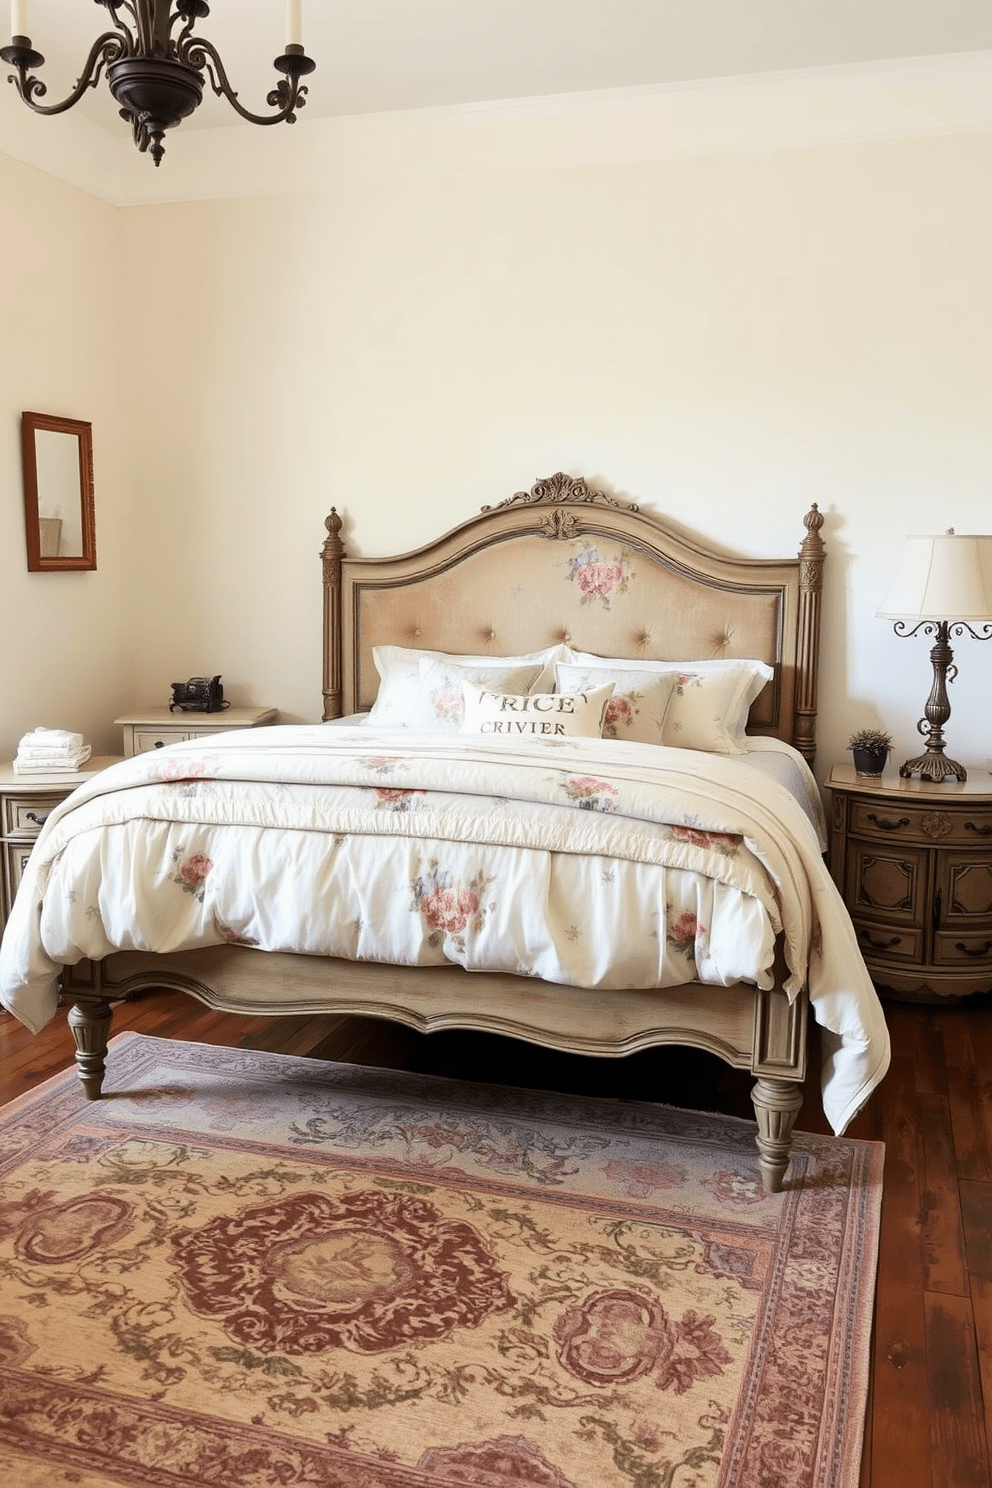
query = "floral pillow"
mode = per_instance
[
  {"x": 537, "y": 715},
  {"x": 710, "y": 700},
  {"x": 399, "y": 676},
  {"x": 440, "y": 699},
  {"x": 708, "y": 710},
  {"x": 636, "y": 711}
]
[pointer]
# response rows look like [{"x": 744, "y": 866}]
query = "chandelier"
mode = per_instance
[{"x": 156, "y": 77}]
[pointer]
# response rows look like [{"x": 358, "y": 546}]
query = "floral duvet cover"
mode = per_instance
[{"x": 587, "y": 862}]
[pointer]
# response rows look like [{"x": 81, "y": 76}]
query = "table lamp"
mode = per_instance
[{"x": 943, "y": 586}]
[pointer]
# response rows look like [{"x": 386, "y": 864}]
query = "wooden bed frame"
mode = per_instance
[{"x": 462, "y": 594}]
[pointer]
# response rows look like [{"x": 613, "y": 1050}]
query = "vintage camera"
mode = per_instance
[{"x": 198, "y": 695}]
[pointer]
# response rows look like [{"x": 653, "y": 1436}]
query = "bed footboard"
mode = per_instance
[{"x": 760, "y": 1031}]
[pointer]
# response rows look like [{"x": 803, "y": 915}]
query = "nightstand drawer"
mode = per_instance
[
  {"x": 891, "y": 882},
  {"x": 889, "y": 942},
  {"x": 148, "y": 739},
  {"x": 925, "y": 824},
  {"x": 968, "y": 948},
  {"x": 154, "y": 728},
  {"x": 24, "y": 816}
]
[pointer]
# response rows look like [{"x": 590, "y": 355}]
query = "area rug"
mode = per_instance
[{"x": 246, "y": 1270}]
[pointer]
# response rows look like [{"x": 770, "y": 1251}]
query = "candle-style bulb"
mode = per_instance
[{"x": 294, "y": 23}]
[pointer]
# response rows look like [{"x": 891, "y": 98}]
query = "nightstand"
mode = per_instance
[
  {"x": 153, "y": 728},
  {"x": 913, "y": 861},
  {"x": 25, "y": 801}
]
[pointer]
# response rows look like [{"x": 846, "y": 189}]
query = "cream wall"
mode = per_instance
[
  {"x": 64, "y": 638},
  {"x": 723, "y": 339}
]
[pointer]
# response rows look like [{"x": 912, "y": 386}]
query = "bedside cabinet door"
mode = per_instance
[
  {"x": 963, "y": 911},
  {"x": 16, "y": 856},
  {"x": 887, "y": 882}
]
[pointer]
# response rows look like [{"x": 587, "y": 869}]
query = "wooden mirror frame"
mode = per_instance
[{"x": 39, "y": 562}]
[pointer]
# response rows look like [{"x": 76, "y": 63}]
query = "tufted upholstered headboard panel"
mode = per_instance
[{"x": 564, "y": 562}]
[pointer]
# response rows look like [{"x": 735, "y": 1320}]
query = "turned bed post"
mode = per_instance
[
  {"x": 811, "y": 555},
  {"x": 331, "y": 555}
]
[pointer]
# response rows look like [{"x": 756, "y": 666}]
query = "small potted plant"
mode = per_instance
[{"x": 870, "y": 747}]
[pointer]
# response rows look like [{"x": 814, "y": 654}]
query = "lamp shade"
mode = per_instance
[{"x": 942, "y": 578}]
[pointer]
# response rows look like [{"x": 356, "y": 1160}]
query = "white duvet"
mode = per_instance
[{"x": 587, "y": 862}]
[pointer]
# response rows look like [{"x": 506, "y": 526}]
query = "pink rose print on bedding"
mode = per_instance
[
  {"x": 725, "y": 842},
  {"x": 180, "y": 769},
  {"x": 683, "y": 932},
  {"x": 448, "y": 704},
  {"x": 599, "y": 579},
  {"x": 394, "y": 798},
  {"x": 620, "y": 713},
  {"x": 449, "y": 910},
  {"x": 588, "y": 793},
  {"x": 192, "y": 873}
]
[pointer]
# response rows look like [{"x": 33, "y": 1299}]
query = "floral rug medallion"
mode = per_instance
[{"x": 253, "y": 1271}]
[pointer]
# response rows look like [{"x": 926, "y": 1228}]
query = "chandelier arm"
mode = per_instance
[
  {"x": 107, "y": 48},
  {"x": 286, "y": 97}
]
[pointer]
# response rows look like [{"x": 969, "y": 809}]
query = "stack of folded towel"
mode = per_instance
[{"x": 48, "y": 751}]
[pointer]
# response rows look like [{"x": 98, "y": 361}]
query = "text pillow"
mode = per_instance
[{"x": 537, "y": 715}]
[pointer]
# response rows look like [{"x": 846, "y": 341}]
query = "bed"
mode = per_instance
[{"x": 532, "y": 604}]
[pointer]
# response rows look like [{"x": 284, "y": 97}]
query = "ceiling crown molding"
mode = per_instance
[{"x": 761, "y": 114}]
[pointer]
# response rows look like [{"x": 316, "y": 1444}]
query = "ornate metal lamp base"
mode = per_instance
[{"x": 932, "y": 766}]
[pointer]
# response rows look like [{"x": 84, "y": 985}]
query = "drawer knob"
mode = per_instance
[
  {"x": 39, "y": 820},
  {"x": 888, "y": 823},
  {"x": 974, "y": 950}
]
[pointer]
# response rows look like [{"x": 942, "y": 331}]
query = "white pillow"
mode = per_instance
[
  {"x": 537, "y": 715},
  {"x": 708, "y": 710},
  {"x": 710, "y": 701},
  {"x": 399, "y": 673},
  {"x": 440, "y": 698},
  {"x": 637, "y": 709}
]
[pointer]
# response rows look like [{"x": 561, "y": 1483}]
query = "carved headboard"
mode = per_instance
[{"x": 566, "y": 562}]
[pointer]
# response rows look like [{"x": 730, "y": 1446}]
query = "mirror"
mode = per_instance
[{"x": 58, "y": 493}]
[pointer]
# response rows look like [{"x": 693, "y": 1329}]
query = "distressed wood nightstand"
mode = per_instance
[
  {"x": 25, "y": 801},
  {"x": 153, "y": 728},
  {"x": 913, "y": 860}
]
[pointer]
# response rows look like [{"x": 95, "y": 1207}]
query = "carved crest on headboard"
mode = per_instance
[{"x": 559, "y": 488}]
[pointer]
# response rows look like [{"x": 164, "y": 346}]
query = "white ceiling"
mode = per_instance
[{"x": 382, "y": 56}]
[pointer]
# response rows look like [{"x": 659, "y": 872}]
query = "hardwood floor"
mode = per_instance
[{"x": 929, "y": 1420}]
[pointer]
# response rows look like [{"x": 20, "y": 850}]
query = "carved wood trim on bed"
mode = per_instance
[
  {"x": 680, "y": 600},
  {"x": 684, "y": 601}
]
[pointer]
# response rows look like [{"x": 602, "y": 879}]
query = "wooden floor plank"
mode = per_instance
[
  {"x": 976, "y": 1209},
  {"x": 901, "y": 1394},
  {"x": 957, "y": 1416},
  {"x": 969, "y": 1110},
  {"x": 944, "y": 1266}
]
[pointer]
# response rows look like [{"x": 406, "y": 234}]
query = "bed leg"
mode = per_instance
[
  {"x": 776, "y": 1106},
  {"x": 90, "y": 1020}
]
